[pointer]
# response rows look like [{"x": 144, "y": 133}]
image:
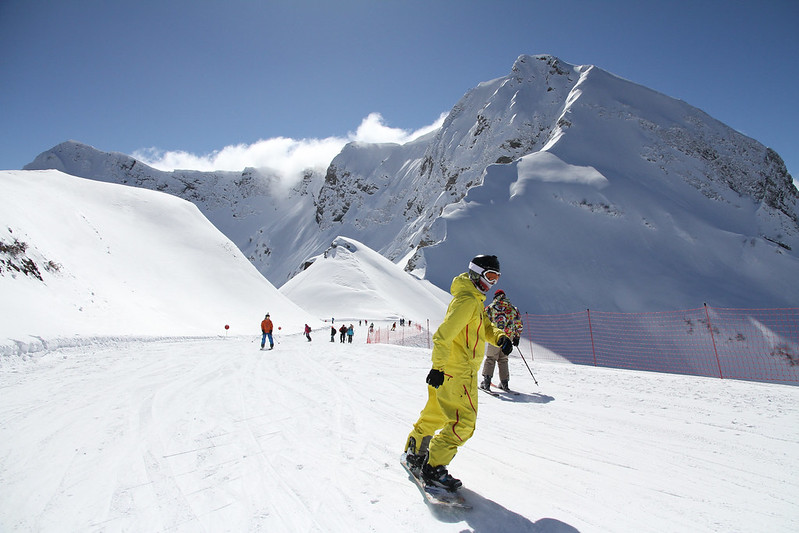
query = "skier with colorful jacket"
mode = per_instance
[
  {"x": 266, "y": 332},
  {"x": 448, "y": 419},
  {"x": 506, "y": 317}
]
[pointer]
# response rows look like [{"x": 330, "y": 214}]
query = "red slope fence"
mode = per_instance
[
  {"x": 416, "y": 335},
  {"x": 750, "y": 344}
]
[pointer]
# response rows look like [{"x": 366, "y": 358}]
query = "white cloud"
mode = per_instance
[
  {"x": 374, "y": 130},
  {"x": 288, "y": 157}
]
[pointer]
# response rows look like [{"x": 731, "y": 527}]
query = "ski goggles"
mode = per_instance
[{"x": 491, "y": 276}]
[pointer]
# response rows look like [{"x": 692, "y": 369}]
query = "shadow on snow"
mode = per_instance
[{"x": 487, "y": 515}]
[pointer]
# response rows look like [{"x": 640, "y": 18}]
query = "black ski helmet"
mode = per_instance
[
  {"x": 477, "y": 268},
  {"x": 487, "y": 262}
]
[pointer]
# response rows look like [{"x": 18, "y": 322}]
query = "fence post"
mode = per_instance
[
  {"x": 713, "y": 338},
  {"x": 526, "y": 328},
  {"x": 591, "y": 332},
  {"x": 428, "y": 333}
]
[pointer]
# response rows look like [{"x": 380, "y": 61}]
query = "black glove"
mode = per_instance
[
  {"x": 515, "y": 341},
  {"x": 435, "y": 378},
  {"x": 505, "y": 345}
]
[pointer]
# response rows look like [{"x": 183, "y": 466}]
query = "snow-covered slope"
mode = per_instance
[
  {"x": 214, "y": 435},
  {"x": 81, "y": 258},
  {"x": 268, "y": 221},
  {"x": 349, "y": 280},
  {"x": 570, "y": 239},
  {"x": 677, "y": 208}
]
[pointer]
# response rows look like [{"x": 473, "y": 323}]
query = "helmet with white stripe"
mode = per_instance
[{"x": 484, "y": 272}]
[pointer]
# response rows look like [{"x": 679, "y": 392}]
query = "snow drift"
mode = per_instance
[{"x": 349, "y": 280}]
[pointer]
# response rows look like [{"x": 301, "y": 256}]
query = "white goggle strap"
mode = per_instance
[{"x": 476, "y": 269}]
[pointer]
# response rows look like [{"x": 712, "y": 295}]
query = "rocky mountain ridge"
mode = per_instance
[{"x": 647, "y": 148}]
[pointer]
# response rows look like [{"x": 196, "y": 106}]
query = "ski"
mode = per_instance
[
  {"x": 501, "y": 390},
  {"x": 492, "y": 393},
  {"x": 434, "y": 495}
]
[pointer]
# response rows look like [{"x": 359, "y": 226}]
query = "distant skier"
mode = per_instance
[
  {"x": 266, "y": 330},
  {"x": 506, "y": 317},
  {"x": 332, "y": 333},
  {"x": 350, "y": 333},
  {"x": 308, "y": 332},
  {"x": 343, "y": 331},
  {"x": 448, "y": 419}
]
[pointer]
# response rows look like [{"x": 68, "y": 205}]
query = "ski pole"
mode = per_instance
[{"x": 525, "y": 364}]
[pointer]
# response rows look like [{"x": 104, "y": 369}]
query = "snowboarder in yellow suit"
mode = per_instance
[{"x": 458, "y": 349}]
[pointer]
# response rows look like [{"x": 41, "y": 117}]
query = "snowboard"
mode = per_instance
[{"x": 436, "y": 496}]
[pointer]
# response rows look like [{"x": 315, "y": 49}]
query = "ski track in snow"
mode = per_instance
[{"x": 216, "y": 435}]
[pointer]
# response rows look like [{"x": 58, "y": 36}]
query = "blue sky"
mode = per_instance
[{"x": 199, "y": 79}]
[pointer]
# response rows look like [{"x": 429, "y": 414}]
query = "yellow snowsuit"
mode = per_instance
[{"x": 458, "y": 349}]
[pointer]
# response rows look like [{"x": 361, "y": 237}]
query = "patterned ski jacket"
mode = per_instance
[{"x": 505, "y": 316}]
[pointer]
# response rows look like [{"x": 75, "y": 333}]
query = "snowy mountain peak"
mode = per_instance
[
  {"x": 525, "y": 165},
  {"x": 529, "y": 66}
]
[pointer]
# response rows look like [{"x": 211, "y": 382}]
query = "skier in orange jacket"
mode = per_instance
[
  {"x": 448, "y": 419},
  {"x": 266, "y": 330}
]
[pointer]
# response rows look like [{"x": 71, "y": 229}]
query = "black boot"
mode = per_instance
[
  {"x": 486, "y": 383},
  {"x": 437, "y": 476},
  {"x": 415, "y": 459},
  {"x": 504, "y": 386}
]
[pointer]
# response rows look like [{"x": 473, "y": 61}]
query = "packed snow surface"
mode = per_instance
[{"x": 217, "y": 435}]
